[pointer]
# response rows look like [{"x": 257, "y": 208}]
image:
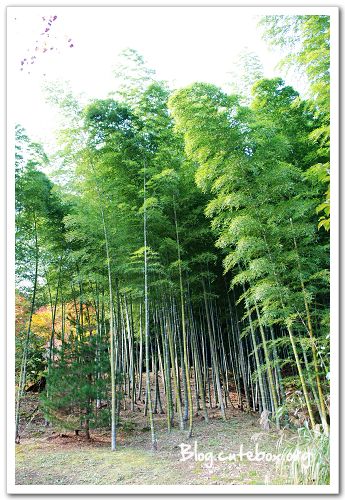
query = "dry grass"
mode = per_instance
[{"x": 48, "y": 457}]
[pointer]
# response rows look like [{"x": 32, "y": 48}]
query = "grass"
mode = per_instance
[
  {"x": 52, "y": 459},
  {"x": 46, "y": 457},
  {"x": 313, "y": 464}
]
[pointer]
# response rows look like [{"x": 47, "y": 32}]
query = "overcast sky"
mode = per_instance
[{"x": 183, "y": 45}]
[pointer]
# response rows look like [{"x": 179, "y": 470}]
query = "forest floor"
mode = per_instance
[{"x": 48, "y": 457}]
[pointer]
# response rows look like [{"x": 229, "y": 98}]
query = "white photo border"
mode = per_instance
[{"x": 308, "y": 8}]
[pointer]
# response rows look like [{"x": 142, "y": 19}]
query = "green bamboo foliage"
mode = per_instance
[{"x": 244, "y": 238}]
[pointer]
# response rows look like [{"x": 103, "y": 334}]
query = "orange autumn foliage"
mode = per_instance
[
  {"x": 42, "y": 321},
  {"x": 22, "y": 311}
]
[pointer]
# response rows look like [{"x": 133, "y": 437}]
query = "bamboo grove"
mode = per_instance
[{"x": 180, "y": 258}]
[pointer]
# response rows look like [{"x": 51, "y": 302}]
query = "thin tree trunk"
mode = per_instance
[
  {"x": 112, "y": 342},
  {"x": 147, "y": 327},
  {"x": 140, "y": 352}
]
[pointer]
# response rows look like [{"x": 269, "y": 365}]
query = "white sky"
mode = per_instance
[{"x": 183, "y": 45}]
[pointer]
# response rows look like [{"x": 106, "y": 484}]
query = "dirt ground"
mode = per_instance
[{"x": 48, "y": 457}]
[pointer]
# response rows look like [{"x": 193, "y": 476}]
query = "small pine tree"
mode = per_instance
[{"x": 78, "y": 385}]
